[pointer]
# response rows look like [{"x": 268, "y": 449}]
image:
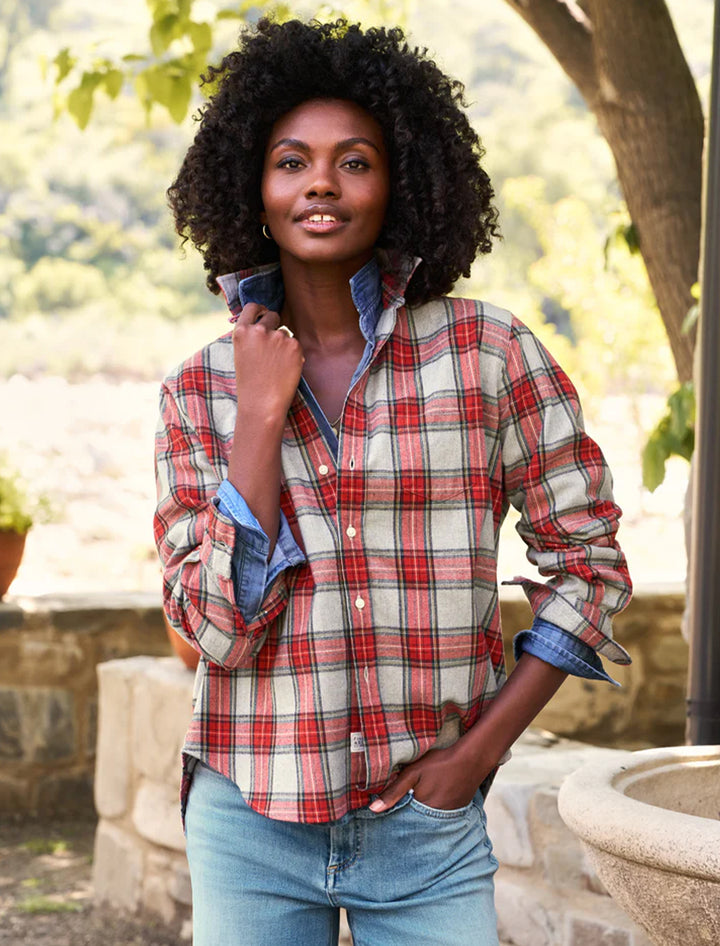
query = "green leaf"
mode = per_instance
[
  {"x": 653, "y": 464},
  {"x": 674, "y": 435},
  {"x": 80, "y": 100},
  {"x": 64, "y": 62},
  {"x": 681, "y": 413},
  {"x": 183, "y": 9},
  {"x": 113, "y": 82},
  {"x": 80, "y": 103},
  {"x": 143, "y": 94},
  {"x": 631, "y": 237},
  {"x": 162, "y": 33},
  {"x": 158, "y": 85},
  {"x": 201, "y": 36},
  {"x": 180, "y": 98}
]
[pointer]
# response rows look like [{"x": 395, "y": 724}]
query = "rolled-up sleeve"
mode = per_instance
[
  {"x": 556, "y": 476},
  {"x": 197, "y": 544},
  {"x": 562, "y": 650},
  {"x": 253, "y": 573}
]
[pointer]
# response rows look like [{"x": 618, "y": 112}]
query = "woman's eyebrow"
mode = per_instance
[{"x": 304, "y": 146}]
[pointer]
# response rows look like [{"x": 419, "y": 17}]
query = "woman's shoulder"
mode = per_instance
[
  {"x": 493, "y": 325},
  {"x": 210, "y": 363}
]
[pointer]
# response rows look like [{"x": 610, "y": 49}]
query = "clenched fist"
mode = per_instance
[{"x": 268, "y": 363}]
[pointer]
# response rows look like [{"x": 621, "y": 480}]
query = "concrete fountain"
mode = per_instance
[{"x": 650, "y": 822}]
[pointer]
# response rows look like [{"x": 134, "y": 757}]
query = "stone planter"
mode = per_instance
[{"x": 649, "y": 821}]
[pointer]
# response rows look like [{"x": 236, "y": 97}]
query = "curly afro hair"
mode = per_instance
[{"x": 440, "y": 206}]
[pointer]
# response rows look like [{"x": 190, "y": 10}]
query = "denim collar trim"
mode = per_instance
[{"x": 380, "y": 284}]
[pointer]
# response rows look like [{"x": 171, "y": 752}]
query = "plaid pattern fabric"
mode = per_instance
[{"x": 390, "y": 632}]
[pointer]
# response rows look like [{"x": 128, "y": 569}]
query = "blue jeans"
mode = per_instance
[{"x": 411, "y": 876}]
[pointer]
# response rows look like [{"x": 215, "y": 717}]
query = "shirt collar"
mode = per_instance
[{"x": 380, "y": 284}]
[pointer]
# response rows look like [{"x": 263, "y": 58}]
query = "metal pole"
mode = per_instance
[{"x": 703, "y": 703}]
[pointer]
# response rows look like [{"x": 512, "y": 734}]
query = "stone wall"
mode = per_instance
[
  {"x": 648, "y": 709},
  {"x": 546, "y": 892},
  {"x": 50, "y": 648},
  {"x": 139, "y": 864}
]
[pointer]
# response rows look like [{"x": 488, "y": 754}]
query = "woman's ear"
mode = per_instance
[{"x": 263, "y": 217}]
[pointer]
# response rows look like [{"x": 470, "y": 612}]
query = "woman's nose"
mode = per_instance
[{"x": 323, "y": 182}]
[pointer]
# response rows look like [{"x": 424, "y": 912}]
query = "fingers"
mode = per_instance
[
  {"x": 255, "y": 314},
  {"x": 393, "y": 793}
]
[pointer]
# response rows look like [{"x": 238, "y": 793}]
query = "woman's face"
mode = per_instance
[{"x": 326, "y": 183}]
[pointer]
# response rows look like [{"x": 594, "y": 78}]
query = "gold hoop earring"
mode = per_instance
[{"x": 266, "y": 232}]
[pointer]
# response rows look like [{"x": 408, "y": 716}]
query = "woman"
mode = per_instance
[{"x": 332, "y": 478}]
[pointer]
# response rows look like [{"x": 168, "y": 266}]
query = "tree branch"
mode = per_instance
[
  {"x": 625, "y": 58},
  {"x": 566, "y": 30}
]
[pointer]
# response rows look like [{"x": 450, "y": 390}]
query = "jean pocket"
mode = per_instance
[{"x": 442, "y": 814}]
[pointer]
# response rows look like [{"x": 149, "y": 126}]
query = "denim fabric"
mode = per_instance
[
  {"x": 252, "y": 572},
  {"x": 561, "y": 649},
  {"x": 412, "y": 876}
]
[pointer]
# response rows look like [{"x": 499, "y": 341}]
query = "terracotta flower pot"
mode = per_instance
[
  {"x": 189, "y": 656},
  {"x": 12, "y": 546}
]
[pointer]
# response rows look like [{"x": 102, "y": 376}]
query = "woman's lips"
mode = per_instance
[{"x": 320, "y": 223}]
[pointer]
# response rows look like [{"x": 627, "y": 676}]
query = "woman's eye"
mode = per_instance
[
  {"x": 356, "y": 164},
  {"x": 292, "y": 163}
]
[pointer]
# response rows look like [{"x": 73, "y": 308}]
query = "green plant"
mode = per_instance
[
  {"x": 47, "y": 905},
  {"x": 19, "y": 509},
  {"x": 674, "y": 435},
  {"x": 39, "y": 846},
  {"x": 181, "y": 44}
]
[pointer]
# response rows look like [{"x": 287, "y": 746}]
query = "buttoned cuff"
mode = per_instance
[
  {"x": 253, "y": 574},
  {"x": 561, "y": 649}
]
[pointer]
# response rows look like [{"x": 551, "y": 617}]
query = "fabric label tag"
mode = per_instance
[{"x": 357, "y": 743}]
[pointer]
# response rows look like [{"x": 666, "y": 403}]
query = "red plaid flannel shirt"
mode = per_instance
[{"x": 389, "y": 634}]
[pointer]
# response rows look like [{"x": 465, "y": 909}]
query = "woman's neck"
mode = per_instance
[{"x": 318, "y": 305}]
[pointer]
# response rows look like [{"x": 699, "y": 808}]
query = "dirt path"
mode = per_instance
[{"x": 46, "y": 890}]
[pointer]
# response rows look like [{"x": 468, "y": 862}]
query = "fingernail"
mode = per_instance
[{"x": 377, "y": 805}]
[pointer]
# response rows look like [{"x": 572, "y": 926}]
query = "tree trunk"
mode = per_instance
[{"x": 625, "y": 58}]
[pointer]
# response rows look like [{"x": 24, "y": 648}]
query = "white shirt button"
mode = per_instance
[
  {"x": 350, "y": 532},
  {"x": 322, "y": 469},
  {"x": 351, "y": 464},
  {"x": 359, "y": 603}
]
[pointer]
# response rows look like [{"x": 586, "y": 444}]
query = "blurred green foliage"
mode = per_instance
[
  {"x": 20, "y": 508},
  {"x": 674, "y": 435},
  {"x": 90, "y": 276},
  {"x": 181, "y": 38}
]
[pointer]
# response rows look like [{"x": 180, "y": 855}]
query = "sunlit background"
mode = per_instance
[{"x": 97, "y": 302}]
